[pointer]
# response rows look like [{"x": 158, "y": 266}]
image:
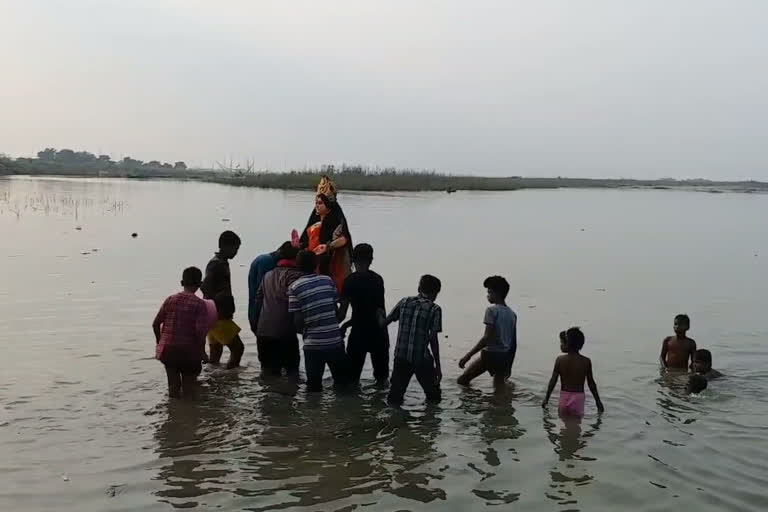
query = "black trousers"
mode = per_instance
[
  {"x": 425, "y": 372},
  {"x": 315, "y": 362},
  {"x": 278, "y": 354},
  {"x": 362, "y": 342}
]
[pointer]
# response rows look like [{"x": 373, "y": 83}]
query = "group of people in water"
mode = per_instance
[{"x": 307, "y": 287}]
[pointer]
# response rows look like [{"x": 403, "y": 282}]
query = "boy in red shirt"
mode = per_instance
[{"x": 180, "y": 328}]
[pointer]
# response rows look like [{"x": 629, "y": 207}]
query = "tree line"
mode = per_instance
[{"x": 69, "y": 161}]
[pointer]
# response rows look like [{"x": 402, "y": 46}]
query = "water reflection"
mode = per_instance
[
  {"x": 494, "y": 417},
  {"x": 568, "y": 437},
  {"x": 181, "y": 440}
]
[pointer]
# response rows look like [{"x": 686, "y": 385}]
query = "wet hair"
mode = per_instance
[
  {"x": 429, "y": 285},
  {"x": 683, "y": 319},
  {"x": 286, "y": 252},
  {"x": 497, "y": 285},
  {"x": 697, "y": 384},
  {"x": 703, "y": 355},
  {"x": 574, "y": 339},
  {"x": 306, "y": 261},
  {"x": 363, "y": 253},
  {"x": 225, "y": 305},
  {"x": 192, "y": 276},
  {"x": 229, "y": 239}
]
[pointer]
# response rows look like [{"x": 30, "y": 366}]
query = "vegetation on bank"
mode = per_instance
[{"x": 65, "y": 162}]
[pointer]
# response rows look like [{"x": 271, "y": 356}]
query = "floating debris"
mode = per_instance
[
  {"x": 65, "y": 478},
  {"x": 600, "y": 289},
  {"x": 78, "y": 228},
  {"x": 532, "y": 307},
  {"x": 134, "y": 235},
  {"x": 85, "y": 253},
  {"x": 225, "y": 220}
]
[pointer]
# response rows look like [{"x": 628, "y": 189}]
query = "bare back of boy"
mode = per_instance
[
  {"x": 676, "y": 352},
  {"x": 573, "y": 369}
]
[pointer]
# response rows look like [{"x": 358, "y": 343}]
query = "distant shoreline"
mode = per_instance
[{"x": 364, "y": 180}]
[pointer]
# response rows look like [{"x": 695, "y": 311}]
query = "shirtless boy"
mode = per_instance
[
  {"x": 678, "y": 350},
  {"x": 572, "y": 369}
]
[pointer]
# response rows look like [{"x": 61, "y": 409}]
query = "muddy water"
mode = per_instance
[{"x": 85, "y": 423}]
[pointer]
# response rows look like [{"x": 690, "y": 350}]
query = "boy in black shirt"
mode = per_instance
[
  {"x": 218, "y": 280},
  {"x": 364, "y": 290}
]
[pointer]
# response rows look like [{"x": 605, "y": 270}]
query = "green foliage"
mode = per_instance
[{"x": 66, "y": 162}]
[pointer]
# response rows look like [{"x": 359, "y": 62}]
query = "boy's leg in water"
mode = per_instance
[
  {"x": 337, "y": 363},
  {"x": 402, "y": 371},
  {"x": 174, "y": 382},
  {"x": 427, "y": 377},
  {"x": 380, "y": 358},
  {"x": 475, "y": 369},
  {"x": 189, "y": 384},
  {"x": 314, "y": 367},
  {"x": 511, "y": 361},
  {"x": 355, "y": 356},
  {"x": 236, "y": 349},
  {"x": 216, "y": 350},
  {"x": 290, "y": 356}
]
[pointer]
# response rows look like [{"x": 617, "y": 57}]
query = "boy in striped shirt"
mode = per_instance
[{"x": 312, "y": 299}]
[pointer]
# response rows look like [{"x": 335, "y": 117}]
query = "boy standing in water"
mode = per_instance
[
  {"x": 498, "y": 345},
  {"x": 312, "y": 300},
  {"x": 420, "y": 322},
  {"x": 180, "y": 327},
  {"x": 218, "y": 279},
  {"x": 276, "y": 338},
  {"x": 364, "y": 290},
  {"x": 572, "y": 369},
  {"x": 677, "y": 350}
]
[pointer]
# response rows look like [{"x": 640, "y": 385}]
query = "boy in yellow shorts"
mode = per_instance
[{"x": 226, "y": 333}]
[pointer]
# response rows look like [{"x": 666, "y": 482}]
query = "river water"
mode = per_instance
[{"x": 85, "y": 423}]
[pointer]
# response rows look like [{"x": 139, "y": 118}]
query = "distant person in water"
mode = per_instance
[
  {"x": 218, "y": 279},
  {"x": 678, "y": 350},
  {"x": 180, "y": 326},
  {"x": 272, "y": 323},
  {"x": 226, "y": 333},
  {"x": 702, "y": 364},
  {"x": 696, "y": 384},
  {"x": 498, "y": 344},
  {"x": 572, "y": 369},
  {"x": 312, "y": 299},
  {"x": 421, "y": 320},
  {"x": 364, "y": 291}
]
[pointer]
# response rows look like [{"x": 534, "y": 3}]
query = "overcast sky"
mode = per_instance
[{"x": 539, "y": 88}]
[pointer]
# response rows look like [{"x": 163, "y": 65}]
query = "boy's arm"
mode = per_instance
[
  {"x": 344, "y": 327},
  {"x": 434, "y": 345},
  {"x": 593, "y": 387},
  {"x": 394, "y": 316},
  {"x": 294, "y": 306},
  {"x": 298, "y": 322},
  {"x": 552, "y": 382},
  {"x": 692, "y": 353},
  {"x": 158, "y": 323},
  {"x": 664, "y": 350},
  {"x": 255, "y": 312},
  {"x": 343, "y": 308},
  {"x": 480, "y": 345}
]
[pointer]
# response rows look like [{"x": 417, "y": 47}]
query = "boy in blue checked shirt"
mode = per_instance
[{"x": 420, "y": 322}]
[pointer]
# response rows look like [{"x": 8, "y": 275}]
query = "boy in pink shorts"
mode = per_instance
[{"x": 572, "y": 369}]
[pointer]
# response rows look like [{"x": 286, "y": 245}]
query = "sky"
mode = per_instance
[{"x": 594, "y": 88}]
